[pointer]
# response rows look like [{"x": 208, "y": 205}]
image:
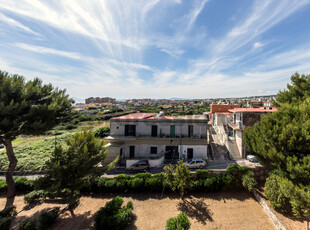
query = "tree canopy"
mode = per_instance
[
  {"x": 28, "y": 107},
  {"x": 281, "y": 142},
  {"x": 76, "y": 165}
]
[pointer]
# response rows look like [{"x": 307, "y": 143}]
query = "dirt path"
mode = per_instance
[{"x": 206, "y": 211}]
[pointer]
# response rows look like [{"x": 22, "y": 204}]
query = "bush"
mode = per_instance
[
  {"x": 47, "y": 218},
  {"x": 22, "y": 184},
  {"x": 8, "y": 212},
  {"x": 181, "y": 222},
  {"x": 6, "y": 217},
  {"x": 203, "y": 173},
  {"x": 34, "y": 196},
  {"x": 129, "y": 205},
  {"x": 28, "y": 224},
  {"x": 278, "y": 191},
  {"x": 248, "y": 181},
  {"x": 5, "y": 223},
  {"x": 102, "y": 132},
  {"x": 3, "y": 186},
  {"x": 112, "y": 216}
]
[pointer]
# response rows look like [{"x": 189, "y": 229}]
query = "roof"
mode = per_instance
[
  {"x": 225, "y": 113},
  {"x": 254, "y": 110},
  {"x": 143, "y": 116},
  {"x": 222, "y": 108},
  {"x": 152, "y": 116}
]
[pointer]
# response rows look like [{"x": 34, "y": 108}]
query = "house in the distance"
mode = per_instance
[{"x": 157, "y": 137}]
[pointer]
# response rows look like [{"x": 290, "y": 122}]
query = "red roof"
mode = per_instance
[
  {"x": 260, "y": 110},
  {"x": 227, "y": 113},
  {"x": 223, "y": 108},
  {"x": 141, "y": 116}
]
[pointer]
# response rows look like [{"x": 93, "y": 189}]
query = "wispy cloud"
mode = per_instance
[{"x": 153, "y": 48}]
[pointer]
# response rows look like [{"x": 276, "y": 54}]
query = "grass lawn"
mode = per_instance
[
  {"x": 227, "y": 210},
  {"x": 33, "y": 151}
]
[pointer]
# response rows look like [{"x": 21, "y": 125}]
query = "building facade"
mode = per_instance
[{"x": 157, "y": 138}]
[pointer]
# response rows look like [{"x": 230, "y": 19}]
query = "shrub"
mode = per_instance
[
  {"x": 278, "y": 192},
  {"x": 248, "y": 181},
  {"x": 6, "y": 217},
  {"x": 181, "y": 222},
  {"x": 112, "y": 216},
  {"x": 203, "y": 173},
  {"x": 137, "y": 184},
  {"x": 3, "y": 186},
  {"x": 34, "y": 196},
  {"x": 8, "y": 212},
  {"x": 129, "y": 205},
  {"x": 22, "y": 184},
  {"x": 28, "y": 224},
  {"x": 102, "y": 132},
  {"x": 47, "y": 218},
  {"x": 5, "y": 223}
]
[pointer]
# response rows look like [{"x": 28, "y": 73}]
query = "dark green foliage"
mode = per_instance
[
  {"x": 34, "y": 196},
  {"x": 5, "y": 223},
  {"x": 22, "y": 184},
  {"x": 203, "y": 173},
  {"x": 179, "y": 178},
  {"x": 129, "y": 205},
  {"x": 75, "y": 166},
  {"x": 102, "y": 132},
  {"x": 28, "y": 224},
  {"x": 279, "y": 193},
  {"x": 30, "y": 107},
  {"x": 8, "y": 212},
  {"x": 113, "y": 216},
  {"x": 281, "y": 141},
  {"x": 233, "y": 179},
  {"x": 2, "y": 185},
  {"x": 6, "y": 217},
  {"x": 48, "y": 218},
  {"x": 248, "y": 181},
  {"x": 181, "y": 222}
]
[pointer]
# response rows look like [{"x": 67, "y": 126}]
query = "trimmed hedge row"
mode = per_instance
[{"x": 204, "y": 181}]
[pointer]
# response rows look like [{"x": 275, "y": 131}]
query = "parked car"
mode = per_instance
[
  {"x": 196, "y": 163},
  {"x": 251, "y": 158},
  {"x": 142, "y": 165}
]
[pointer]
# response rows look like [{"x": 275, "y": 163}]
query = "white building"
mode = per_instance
[{"x": 157, "y": 138}]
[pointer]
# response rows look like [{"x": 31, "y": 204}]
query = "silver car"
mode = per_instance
[{"x": 196, "y": 163}]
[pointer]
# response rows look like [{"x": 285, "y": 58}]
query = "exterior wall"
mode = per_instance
[
  {"x": 113, "y": 152},
  {"x": 220, "y": 119},
  {"x": 249, "y": 119},
  {"x": 199, "y": 151},
  {"x": 154, "y": 163},
  {"x": 223, "y": 108},
  {"x": 239, "y": 141},
  {"x": 144, "y": 128},
  {"x": 143, "y": 151}
]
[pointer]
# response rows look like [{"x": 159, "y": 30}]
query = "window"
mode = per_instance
[
  {"x": 153, "y": 150},
  {"x": 190, "y": 130},
  {"x": 172, "y": 130},
  {"x": 130, "y": 130},
  {"x": 131, "y": 151},
  {"x": 154, "y": 131}
]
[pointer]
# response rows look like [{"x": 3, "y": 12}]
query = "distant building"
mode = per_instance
[{"x": 91, "y": 100}]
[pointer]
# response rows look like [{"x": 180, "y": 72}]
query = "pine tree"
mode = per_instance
[{"x": 30, "y": 108}]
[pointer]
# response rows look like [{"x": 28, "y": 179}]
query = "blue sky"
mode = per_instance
[{"x": 157, "y": 48}]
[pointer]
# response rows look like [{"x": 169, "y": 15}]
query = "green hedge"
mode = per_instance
[{"x": 235, "y": 178}]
